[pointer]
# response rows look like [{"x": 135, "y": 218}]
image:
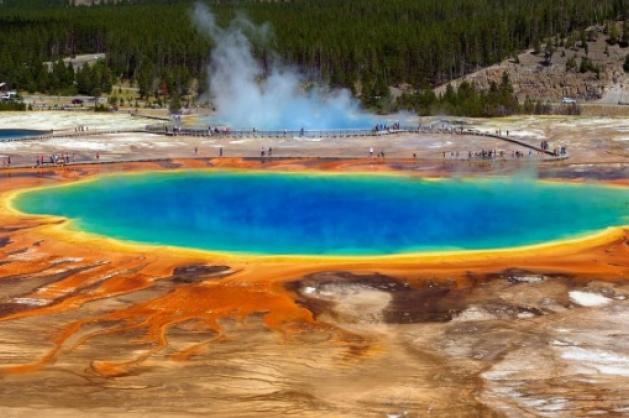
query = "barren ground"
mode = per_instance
[
  {"x": 588, "y": 140},
  {"x": 92, "y": 328}
]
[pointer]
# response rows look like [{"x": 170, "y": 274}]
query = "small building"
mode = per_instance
[
  {"x": 78, "y": 61},
  {"x": 6, "y": 94}
]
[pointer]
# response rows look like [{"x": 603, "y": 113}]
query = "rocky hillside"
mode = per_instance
[{"x": 592, "y": 73}]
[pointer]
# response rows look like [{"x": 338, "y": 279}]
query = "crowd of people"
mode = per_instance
[
  {"x": 54, "y": 159},
  {"x": 219, "y": 130},
  {"x": 490, "y": 154},
  {"x": 383, "y": 127}
]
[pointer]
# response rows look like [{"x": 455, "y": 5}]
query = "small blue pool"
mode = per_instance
[{"x": 12, "y": 134}]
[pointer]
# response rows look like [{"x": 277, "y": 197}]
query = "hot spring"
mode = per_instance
[
  {"x": 329, "y": 214},
  {"x": 12, "y": 134}
]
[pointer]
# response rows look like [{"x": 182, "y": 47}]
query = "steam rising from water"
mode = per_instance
[{"x": 245, "y": 96}]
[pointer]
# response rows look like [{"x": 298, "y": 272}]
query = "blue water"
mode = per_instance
[
  {"x": 294, "y": 117},
  {"x": 309, "y": 122},
  {"x": 329, "y": 214},
  {"x": 18, "y": 133}
]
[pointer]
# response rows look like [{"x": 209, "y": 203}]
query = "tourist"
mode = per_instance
[
  {"x": 220, "y": 152},
  {"x": 370, "y": 152}
]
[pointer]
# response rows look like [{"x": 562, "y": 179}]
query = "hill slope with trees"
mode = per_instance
[{"x": 364, "y": 45}]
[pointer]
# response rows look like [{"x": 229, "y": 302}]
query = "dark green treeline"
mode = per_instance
[{"x": 365, "y": 45}]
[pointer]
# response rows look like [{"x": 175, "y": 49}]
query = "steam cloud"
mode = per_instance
[{"x": 246, "y": 97}]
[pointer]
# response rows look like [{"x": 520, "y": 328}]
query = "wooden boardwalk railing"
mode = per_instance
[{"x": 164, "y": 129}]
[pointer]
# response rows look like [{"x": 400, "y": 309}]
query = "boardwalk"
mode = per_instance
[
  {"x": 335, "y": 133},
  {"x": 513, "y": 141},
  {"x": 319, "y": 143},
  {"x": 169, "y": 130}
]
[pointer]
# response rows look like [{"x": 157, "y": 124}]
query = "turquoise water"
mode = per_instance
[
  {"x": 270, "y": 213},
  {"x": 6, "y": 134}
]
